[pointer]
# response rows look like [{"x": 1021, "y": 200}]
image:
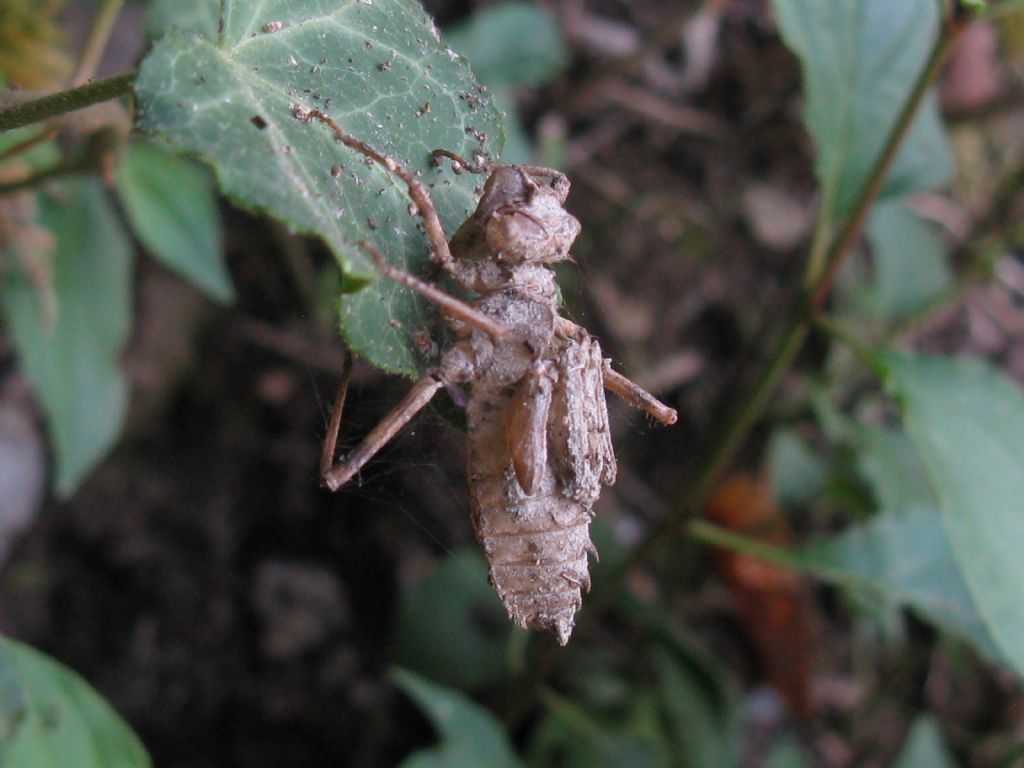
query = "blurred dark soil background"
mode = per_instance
[{"x": 238, "y": 615}]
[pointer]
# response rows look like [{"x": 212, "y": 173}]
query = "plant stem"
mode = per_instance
[
  {"x": 751, "y": 409},
  {"x": 842, "y": 245},
  {"x": 65, "y": 101},
  {"x": 845, "y": 335},
  {"x": 95, "y": 44}
]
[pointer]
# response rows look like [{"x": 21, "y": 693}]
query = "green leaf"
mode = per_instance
[
  {"x": 199, "y": 16},
  {"x": 904, "y": 558},
  {"x": 380, "y": 70},
  {"x": 798, "y": 473},
  {"x": 788, "y": 754},
  {"x": 470, "y": 735},
  {"x": 511, "y": 44},
  {"x": 518, "y": 148},
  {"x": 925, "y": 747},
  {"x": 173, "y": 210},
  {"x": 888, "y": 461},
  {"x": 860, "y": 59},
  {"x": 910, "y": 263},
  {"x": 700, "y": 716},
  {"x": 569, "y": 735},
  {"x": 454, "y": 605},
  {"x": 63, "y": 721},
  {"x": 967, "y": 422},
  {"x": 73, "y": 365}
]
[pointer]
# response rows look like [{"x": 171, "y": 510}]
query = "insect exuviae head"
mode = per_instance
[{"x": 523, "y": 218}]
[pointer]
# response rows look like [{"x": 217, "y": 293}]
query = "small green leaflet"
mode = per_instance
[
  {"x": 73, "y": 365},
  {"x": 173, "y": 210}
]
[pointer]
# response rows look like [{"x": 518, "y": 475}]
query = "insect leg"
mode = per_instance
[
  {"x": 637, "y": 396},
  {"x": 440, "y": 252},
  {"x": 333, "y": 477},
  {"x": 628, "y": 390},
  {"x": 334, "y": 425},
  {"x": 449, "y": 304}
]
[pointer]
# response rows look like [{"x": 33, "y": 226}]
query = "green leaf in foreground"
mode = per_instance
[
  {"x": 967, "y": 422},
  {"x": 454, "y": 605},
  {"x": 380, "y": 70},
  {"x": 173, "y": 210},
  {"x": 860, "y": 59},
  {"x": 73, "y": 365},
  {"x": 700, "y": 716},
  {"x": 62, "y": 720},
  {"x": 570, "y": 735},
  {"x": 470, "y": 735}
]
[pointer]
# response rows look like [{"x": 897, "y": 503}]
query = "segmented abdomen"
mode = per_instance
[{"x": 537, "y": 541}]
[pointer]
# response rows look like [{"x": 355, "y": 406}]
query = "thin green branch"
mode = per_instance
[
  {"x": 96, "y": 43},
  {"x": 851, "y": 340},
  {"x": 63, "y": 102},
  {"x": 1001, "y": 10}
]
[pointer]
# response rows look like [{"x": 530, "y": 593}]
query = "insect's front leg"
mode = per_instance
[
  {"x": 448, "y": 304},
  {"x": 424, "y": 204}
]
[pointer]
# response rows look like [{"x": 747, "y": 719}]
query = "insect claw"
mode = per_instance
[{"x": 592, "y": 551}]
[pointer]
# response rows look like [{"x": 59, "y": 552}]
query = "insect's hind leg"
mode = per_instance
[
  {"x": 334, "y": 424},
  {"x": 334, "y": 475}
]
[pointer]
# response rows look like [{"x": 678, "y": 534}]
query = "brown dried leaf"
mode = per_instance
[
  {"x": 772, "y": 603},
  {"x": 31, "y": 247}
]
